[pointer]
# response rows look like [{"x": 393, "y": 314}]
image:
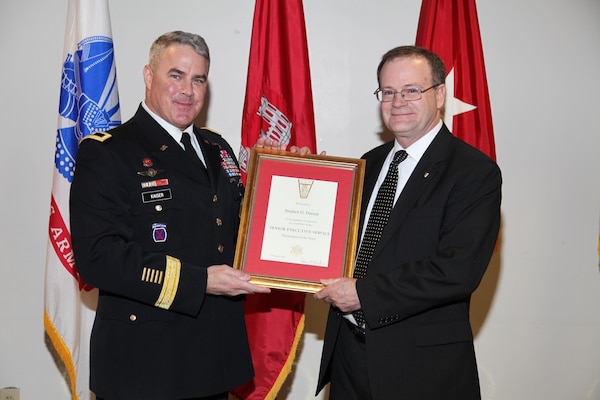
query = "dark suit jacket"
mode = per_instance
[
  {"x": 432, "y": 255},
  {"x": 146, "y": 223}
]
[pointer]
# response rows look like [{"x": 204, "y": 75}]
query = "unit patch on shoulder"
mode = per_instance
[{"x": 99, "y": 136}]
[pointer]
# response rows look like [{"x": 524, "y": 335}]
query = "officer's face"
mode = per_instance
[{"x": 176, "y": 85}]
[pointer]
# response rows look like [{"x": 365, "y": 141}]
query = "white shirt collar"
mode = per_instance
[
  {"x": 174, "y": 131},
  {"x": 418, "y": 148}
]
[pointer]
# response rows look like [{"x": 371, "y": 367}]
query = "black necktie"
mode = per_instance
[
  {"x": 380, "y": 213},
  {"x": 189, "y": 149}
]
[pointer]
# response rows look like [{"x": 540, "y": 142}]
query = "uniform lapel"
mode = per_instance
[
  {"x": 165, "y": 148},
  {"x": 212, "y": 157}
]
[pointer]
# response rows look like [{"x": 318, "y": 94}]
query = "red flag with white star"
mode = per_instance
[{"x": 450, "y": 29}]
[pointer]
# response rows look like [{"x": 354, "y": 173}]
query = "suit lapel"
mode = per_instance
[
  {"x": 425, "y": 173},
  {"x": 374, "y": 165}
]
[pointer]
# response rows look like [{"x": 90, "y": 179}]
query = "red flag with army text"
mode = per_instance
[
  {"x": 450, "y": 29},
  {"x": 278, "y": 106}
]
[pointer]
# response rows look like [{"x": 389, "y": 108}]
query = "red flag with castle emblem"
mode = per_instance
[
  {"x": 279, "y": 102},
  {"x": 450, "y": 29},
  {"x": 278, "y": 106}
]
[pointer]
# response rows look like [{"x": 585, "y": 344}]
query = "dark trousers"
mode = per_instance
[
  {"x": 349, "y": 379},
  {"x": 222, "y": 396}
]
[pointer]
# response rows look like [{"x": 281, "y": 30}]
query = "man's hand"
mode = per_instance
[
  {"x": 274, "y": 145},
  {"x": 270, "y": 144},
  {"x": 341, "y": 293},
  {"x": 226, "y": 281}
]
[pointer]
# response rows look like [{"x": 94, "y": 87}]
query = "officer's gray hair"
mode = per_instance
[{"x": 178, "y": 37}]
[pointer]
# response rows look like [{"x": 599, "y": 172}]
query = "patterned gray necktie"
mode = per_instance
[{"x": 380, "y": 213}]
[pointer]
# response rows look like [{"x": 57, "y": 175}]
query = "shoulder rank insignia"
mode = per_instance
[
  {"x": 211, "y": 130},
  {"x": 99, "y": 136}
]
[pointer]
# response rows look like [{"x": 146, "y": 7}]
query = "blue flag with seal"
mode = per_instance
[{"x": 89, "y": 102}]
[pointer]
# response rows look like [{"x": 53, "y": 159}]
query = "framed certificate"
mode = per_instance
[{"x": 299, "y": 220}]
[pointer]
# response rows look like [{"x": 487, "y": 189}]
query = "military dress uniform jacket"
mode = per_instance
[
  {"x": 432, "y": 255},
  {"x": 146, "y": 223}
]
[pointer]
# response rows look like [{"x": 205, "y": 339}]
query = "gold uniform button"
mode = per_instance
[
  {"x": 219, "y": 222},
  {"x": 215, "y": 198},
  {"x": 220, "y": 248},
  {"x": 158, "y": 207},
  {"x": 133, "y": 317}
]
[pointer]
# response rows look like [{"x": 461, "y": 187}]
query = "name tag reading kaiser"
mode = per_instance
[{"x": 156, "y": 195}]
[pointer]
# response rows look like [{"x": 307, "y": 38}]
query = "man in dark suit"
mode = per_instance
[
  {"x": 416, "y": 341},
  {"x": 154, "y": 228}
]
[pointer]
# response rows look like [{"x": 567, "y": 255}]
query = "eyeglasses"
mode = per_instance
[{"x": 407, "y": 94}]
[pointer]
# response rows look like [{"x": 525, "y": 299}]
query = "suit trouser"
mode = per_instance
[{"x": 349, "y": 379}]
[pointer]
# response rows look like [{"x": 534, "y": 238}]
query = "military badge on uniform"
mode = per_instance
[
  {"x": 155, "y": 183},
  {"x": 151, "y": 172},
  {"x": 159, "y": 233},
  {"x": 229, "y": 164}
]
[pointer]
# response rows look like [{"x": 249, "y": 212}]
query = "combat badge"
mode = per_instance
[{"x": 151, "y": 172}]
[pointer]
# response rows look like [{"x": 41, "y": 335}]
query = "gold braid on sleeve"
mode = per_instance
[{"x": 169, "y": 288}]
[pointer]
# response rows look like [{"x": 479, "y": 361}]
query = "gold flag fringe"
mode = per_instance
[
  {"x": 63, "y": 352},
  {"x": 287, "y": 367}
]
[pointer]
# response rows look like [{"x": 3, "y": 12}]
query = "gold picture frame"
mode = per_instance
[{"x": 299, "y": 219}]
